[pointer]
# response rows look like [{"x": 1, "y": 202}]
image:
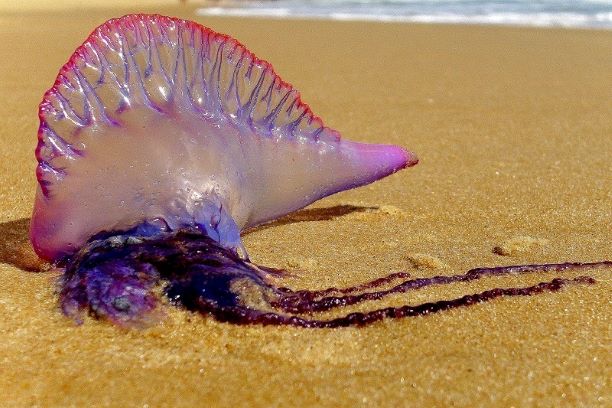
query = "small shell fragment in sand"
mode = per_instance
[
  {"x": 301, "y": 263},
  {"x": 519, "y": 245},
  {"x": 382, "y": 210},
  {"x": 391, "y": 210},
  {"x": 424, "y": 261}
]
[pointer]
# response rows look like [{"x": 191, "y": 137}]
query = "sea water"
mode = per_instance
[{"x": 542, "y": 13}]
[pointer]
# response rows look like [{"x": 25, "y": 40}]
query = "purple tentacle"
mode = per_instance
[
  {"x": 243, "y": 315},
  {"x": 306, "y": 301},
  {"x": 115, "y": 277},
  {"x": 312, "y": 294}
]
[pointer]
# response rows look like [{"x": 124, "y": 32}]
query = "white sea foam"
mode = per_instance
[{"x": 541, "y": 13}]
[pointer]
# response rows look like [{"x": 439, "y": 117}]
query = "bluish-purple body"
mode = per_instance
[{"x": 155, "y": 118}]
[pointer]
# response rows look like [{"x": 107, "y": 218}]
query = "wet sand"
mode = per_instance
[{"x": 513, "y": 127}]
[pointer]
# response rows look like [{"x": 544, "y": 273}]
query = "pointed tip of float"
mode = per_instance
[
  {"x": 378, "y": 161},
  {"x": 398, "y": 158},
  {"x": 366, "y": 163}
]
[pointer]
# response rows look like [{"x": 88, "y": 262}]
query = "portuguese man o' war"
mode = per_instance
[{"x": 159, "y": 142}]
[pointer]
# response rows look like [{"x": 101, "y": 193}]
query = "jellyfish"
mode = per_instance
[{"x": 159, "y": 143}]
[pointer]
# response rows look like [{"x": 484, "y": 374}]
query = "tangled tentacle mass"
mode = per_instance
[{"x": 115, "y": 277}]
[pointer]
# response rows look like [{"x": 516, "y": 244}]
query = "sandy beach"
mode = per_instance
[{"x": 513, "y": 128}]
